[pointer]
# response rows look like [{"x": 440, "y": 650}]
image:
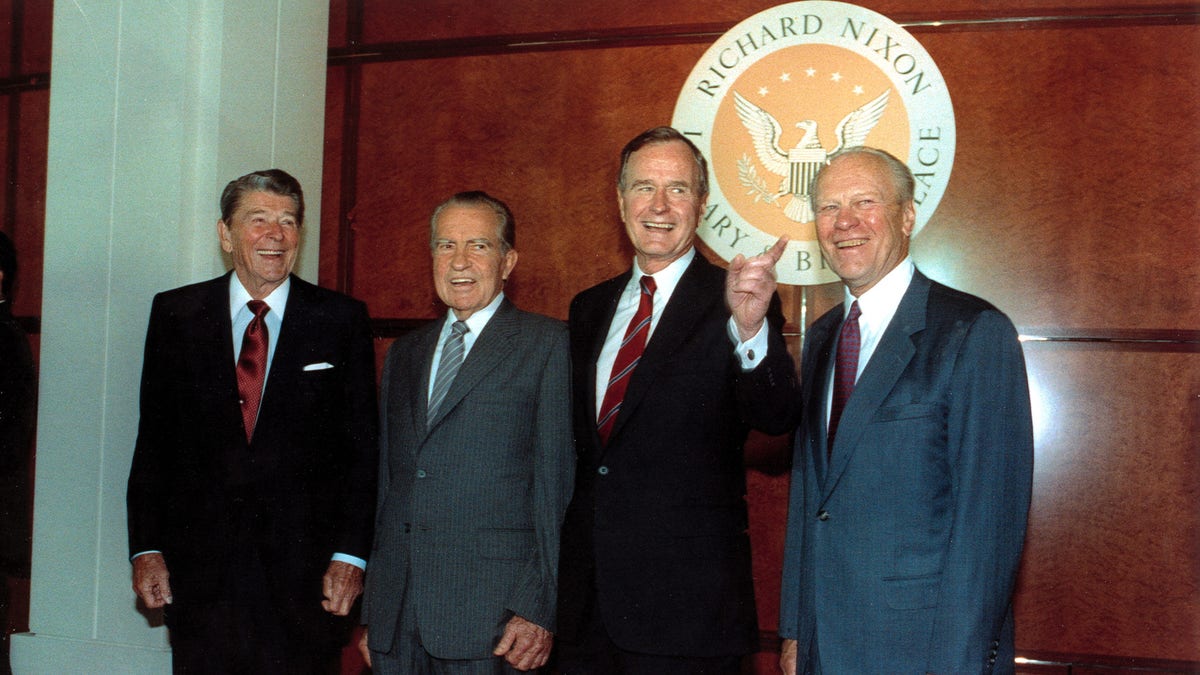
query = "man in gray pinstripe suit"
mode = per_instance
[{"x": 477, "y": 467}]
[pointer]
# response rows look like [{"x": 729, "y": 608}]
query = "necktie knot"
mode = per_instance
[
  {"x": 259, "y": 308},
  {"x": 855, "y": 312},
  {"x": 459, "y": 328},
  {"x": 648, "y": 285}
]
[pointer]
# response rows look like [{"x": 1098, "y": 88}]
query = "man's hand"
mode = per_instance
[
  {"x": 787, "y": 657},
  {"x": 342, "y": 584},
  {"x": 749, "y": 285},
  {"x": 363, "y": 649},
  {"x": 150, "y": 580},
  {"x": 525, "y": 645}
]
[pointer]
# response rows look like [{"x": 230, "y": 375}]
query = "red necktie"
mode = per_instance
[
  {"x": 846, "y": 369},
  {"x": 252, "y": 365},
  {"x": 628, "y": 356}
]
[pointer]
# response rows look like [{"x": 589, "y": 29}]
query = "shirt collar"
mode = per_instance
[
  {"x": 478, "y": 319},
  {"x": 666, "y": 279},
  {"x": 884, "y": 297},
  {"x": 239, "y": 296}
]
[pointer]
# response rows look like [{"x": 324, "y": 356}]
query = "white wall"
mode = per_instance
[{"x": 154, "y": 106}]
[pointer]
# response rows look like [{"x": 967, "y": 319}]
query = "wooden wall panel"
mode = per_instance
[
  {"x": 1075, "y": 181},
  {"x": 1072, "y": 207},
  {"x": 519, "y": 127},
  {"x": 1111, "y": 561},
  {"x": 389, "y": 21}
]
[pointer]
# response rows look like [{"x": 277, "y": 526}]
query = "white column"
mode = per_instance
[{"x": 154, "y": 106}]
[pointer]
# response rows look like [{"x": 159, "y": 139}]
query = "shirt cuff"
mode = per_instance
[
  {"x": 350, "y": 560},
  {"x": 751, "y": 352}
]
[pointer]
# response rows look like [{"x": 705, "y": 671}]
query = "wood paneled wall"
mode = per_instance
[
  {"x": 1072, "y": 206},
  {"x": 25, "y": 117}
]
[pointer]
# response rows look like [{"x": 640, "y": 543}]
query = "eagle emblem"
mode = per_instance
[{"x": 799, "y": 165}]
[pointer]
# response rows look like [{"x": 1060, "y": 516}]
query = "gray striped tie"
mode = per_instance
[{"x": 452, "y": 358}]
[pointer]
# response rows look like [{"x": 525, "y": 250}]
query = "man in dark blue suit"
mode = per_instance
[
  {"x": 908, "y": 509},
  {"x": 251, "y": 500},
  {"x": 655, "y": 573}
]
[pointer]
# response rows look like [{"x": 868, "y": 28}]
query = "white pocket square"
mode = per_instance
[{"x": 318, "y": 366}]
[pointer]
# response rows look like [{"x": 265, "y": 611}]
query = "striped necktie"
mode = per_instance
[
  {"x": 452, "y": 358},
  {"x": 628, "y": 357}
]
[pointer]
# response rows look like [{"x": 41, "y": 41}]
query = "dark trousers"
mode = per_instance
[
  {"x": 243, "y": 632},
  {"x": 597, "y": 654}
]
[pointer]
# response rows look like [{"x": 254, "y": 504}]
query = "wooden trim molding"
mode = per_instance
[
  {"x": 1175, "y": 14},
  {"x": 1160, "y": 340}
]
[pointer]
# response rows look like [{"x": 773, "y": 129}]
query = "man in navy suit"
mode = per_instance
[
  {"x": 251, "y": 521},
  {"x": 907, "y": 511},
  {"x": 655, "y": 566}
]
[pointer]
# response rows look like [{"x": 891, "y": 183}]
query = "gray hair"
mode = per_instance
[
  {"x": 506, "y": 226},
  {"x": 664, "y": 135},
  {"x": 902, "y": 177}
]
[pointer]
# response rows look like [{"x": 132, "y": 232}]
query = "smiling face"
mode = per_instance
[
  {"x": 469, "y": 264},
  {"x": 661, "y": 203},
  {"x": 262, "y": 237},
  {"x": 862, "y": 225}
]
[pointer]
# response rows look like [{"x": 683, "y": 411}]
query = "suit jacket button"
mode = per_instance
[
  {"x": 421, "y": 473},
  {"x": 822, "y": 515},
  {"x": 603, "y": 471}
]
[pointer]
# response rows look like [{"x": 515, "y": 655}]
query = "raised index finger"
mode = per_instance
[{"x": 776, "y": 252}]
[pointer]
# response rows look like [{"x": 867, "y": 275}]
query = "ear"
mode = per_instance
[
  {"x": 910, "y": 218},
  {"x": 225, "y": 235},
  {"x": 510, "y": 261}
]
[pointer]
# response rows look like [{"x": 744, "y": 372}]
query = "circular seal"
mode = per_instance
[{"x": 776, "y": 96}]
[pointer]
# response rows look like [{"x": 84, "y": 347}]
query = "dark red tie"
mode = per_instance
[
  {"x": 252, "y": 365},
  {"x": 846, "y": 370},
  {"x": 627, "y": 359}
]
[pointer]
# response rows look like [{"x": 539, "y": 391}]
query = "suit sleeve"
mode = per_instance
[
  {"x": 534, "y": 597},
  {"x": 990, "y": 452},
  {"x": 361, "y": 440},
  {"x": 769, "y": 395},
  {"x": 148, "y": 487}
]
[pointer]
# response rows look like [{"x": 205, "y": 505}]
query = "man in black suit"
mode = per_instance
[
  {"x": 656, "y": 558},
  {"x": 18, "y": 401},
  {"x": 251, "y": 520},
  {"x": 476, "y": 468}
]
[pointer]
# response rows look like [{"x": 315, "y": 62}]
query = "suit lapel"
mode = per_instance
[
  {"x": 887, "y": 364},
  {"x": 417, "y": 391},
  {"x": 489, "y": 350},
  {"x": 822, "y": 339},
  {"x": 691, "y": 300},
  {"x": 299, "y": 317},
  {"x": 212, "y": 331},
  {"x": 601, "y": 318}
]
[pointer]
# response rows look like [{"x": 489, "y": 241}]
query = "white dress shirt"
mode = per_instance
[{"x": 877, "y": 307}]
